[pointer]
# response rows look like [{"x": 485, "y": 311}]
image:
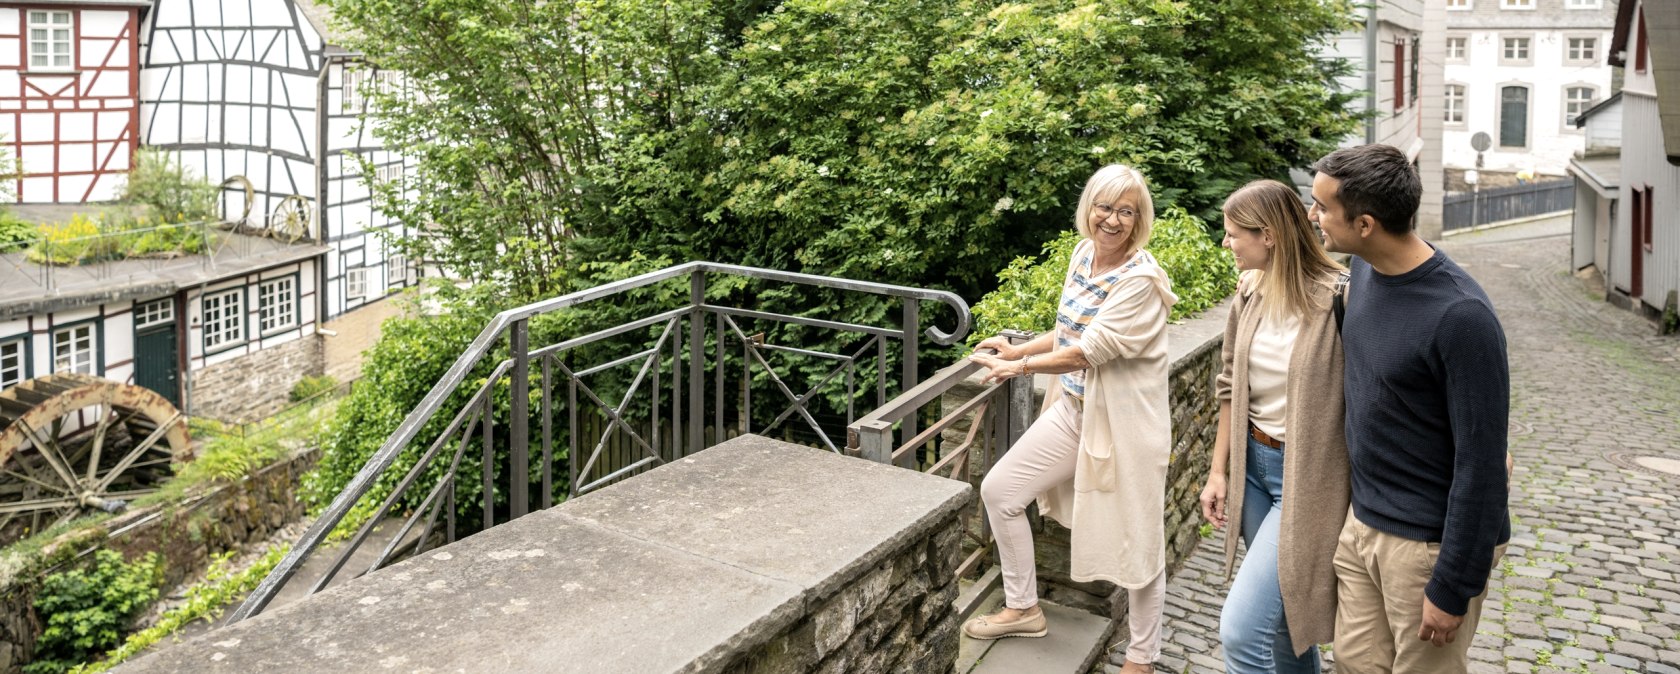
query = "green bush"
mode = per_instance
[
  {"x": 15, "y": 233},
  {"x": 86, "y": 611},
  {"x": 311, "y": 386},
  {"x": 205, "y": 601},
  {"x": 169, "y": 188},
  {"x": 1202, "y": 274}
]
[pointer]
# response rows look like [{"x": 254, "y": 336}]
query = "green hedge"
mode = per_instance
[{"x": 1202, "y": 274}]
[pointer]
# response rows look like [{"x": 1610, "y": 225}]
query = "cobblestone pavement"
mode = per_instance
[{"x": 1591, "y": 580}]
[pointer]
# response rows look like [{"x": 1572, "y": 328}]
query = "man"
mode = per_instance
[{"x": 1428, "y": 396}]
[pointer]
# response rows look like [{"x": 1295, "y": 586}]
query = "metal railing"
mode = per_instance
[
  {"x": 422, "y": 505},
  {"x": 1471, "y": 209},
  {"x": 996, "y": 417}
]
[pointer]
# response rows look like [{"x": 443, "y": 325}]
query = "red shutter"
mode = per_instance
[
  {"x": 1639, "y": 45},
  {"x": 1649, "y": 197},
  {"x": 1399, "y": 74},
  {"x": 1636, "y": 263}
]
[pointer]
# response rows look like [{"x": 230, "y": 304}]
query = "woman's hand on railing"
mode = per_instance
[
  {"x": 999, "y": 369},
  {"x": 1001, "y": 345},
  {"x": 1213, "y": 500}
]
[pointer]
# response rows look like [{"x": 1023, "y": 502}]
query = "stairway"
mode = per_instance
[{"x": 1074, "y": 645}]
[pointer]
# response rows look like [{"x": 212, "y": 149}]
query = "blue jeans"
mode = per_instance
[{"x": 1252, "y": 628}]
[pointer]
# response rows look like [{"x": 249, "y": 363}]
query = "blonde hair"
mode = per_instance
[
  {"x": 1297, "y": 257},
  {"x": 1106, "y": 186}
]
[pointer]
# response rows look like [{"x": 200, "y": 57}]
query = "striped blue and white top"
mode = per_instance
[{"x": 1082, "y": 296}]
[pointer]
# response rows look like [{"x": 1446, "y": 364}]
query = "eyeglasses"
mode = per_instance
[{"x": 1104, "y": 211}]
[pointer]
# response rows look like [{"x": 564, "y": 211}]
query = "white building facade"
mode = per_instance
[{"x": 1521, "y": 71}]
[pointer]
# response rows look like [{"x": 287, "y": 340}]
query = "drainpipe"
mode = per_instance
[
  {"x": 1371, "y": 72},
  {"x": 322, "y": 117}
]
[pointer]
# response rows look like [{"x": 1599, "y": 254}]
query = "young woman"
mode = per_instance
[
  {"x": 1096, "y": 459},
  {"x": 1280, "y": 466}
]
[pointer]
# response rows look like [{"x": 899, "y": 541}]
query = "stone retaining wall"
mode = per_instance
[
  {"x": 256, "y": 385},
  {"x": 185, "y": 536}
]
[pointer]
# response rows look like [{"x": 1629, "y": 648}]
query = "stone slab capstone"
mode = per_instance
[{"x": 683, "y": 569}]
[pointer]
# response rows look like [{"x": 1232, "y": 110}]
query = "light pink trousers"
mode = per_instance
[{"x": 1044, "y": 458}]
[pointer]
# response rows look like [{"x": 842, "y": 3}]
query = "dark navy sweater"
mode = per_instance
[{"x": 1428, "y": 397}]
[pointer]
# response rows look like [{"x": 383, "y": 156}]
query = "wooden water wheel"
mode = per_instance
[{"x": 72, "y": 444}]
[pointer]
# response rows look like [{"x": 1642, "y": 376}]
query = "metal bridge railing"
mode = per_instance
[
  {"x": 641, "y": 429},
  {"x": 996, "y": 417}
]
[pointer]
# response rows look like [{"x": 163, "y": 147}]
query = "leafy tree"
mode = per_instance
[
  {"x": 170, "y": 189},
  {"x": 509, "y": 108}
]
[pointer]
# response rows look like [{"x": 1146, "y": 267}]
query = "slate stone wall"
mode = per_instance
[{"x": 254, "y": 386}]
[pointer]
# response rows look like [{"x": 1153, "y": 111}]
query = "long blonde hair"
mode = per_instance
[{"x": 1297, "y": 258}]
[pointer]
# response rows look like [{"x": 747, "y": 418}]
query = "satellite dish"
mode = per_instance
[{"x": 1481, "y": 141}]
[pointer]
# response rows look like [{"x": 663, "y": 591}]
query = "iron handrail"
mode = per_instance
[{"x": 515, "y": 322}]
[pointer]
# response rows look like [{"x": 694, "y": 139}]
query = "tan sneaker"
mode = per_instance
[{"x": 987, "y": 627}]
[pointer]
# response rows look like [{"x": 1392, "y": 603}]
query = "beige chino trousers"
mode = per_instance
[
  {"x": 1043, "y": 458},
  {"x": 1379, "y": 605}
]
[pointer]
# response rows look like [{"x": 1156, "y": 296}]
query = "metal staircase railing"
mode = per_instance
[{"x": 425, "y": 494}]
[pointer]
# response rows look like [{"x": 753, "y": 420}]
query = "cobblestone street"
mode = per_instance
[{"x": 1591, "y": 580}]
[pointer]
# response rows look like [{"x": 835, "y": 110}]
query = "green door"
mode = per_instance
[{"x": 155, "y": 364}]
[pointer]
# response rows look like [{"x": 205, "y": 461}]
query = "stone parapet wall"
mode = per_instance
[
  {"x": 755, "y": 556},
  {"x": 185, "y": 535},
  {"x": 254, "y": 386},
  {"x": 896, "y": 617}
]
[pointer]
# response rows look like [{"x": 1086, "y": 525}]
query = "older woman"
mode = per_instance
[
  {"x": 1280, "y": 462},
  {"x": 1096, "y": 459}
]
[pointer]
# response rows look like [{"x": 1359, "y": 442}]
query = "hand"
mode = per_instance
[
  {"x": 1213, "y": 500},
  {"x": 1005, "y": 350},
  {"x": 1439, "y": 627},
  {"x": 1001, "y": 369}
]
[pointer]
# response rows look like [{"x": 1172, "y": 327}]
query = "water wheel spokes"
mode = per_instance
[{"x": 71, "y": 444}]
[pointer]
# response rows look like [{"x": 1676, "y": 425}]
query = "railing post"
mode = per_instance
[
  {"x": 696, "y": 356},
  {"x": 1020, "y": 399},
  {"x": 519, "y": 427},
  {"x": 912, "y": 335},
  {"x": 875, "y": 441}
]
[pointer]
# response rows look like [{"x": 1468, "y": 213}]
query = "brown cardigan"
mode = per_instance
[{"x": 1315, "y": 460}]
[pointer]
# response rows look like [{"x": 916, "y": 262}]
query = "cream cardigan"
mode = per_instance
[
  {"x": 1114, "y": 503},
  {"x": 1315, "y": 459}
]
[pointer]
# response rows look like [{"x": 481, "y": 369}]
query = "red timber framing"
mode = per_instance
[{"x": 88, "y": 155}]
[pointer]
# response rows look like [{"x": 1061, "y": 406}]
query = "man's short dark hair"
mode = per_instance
[{"x": 1376, "y": 180}]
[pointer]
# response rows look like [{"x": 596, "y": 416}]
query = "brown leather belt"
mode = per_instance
[{"x": 1267, "y": 440}]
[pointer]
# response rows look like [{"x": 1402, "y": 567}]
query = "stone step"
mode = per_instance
[{"x": 1074, "y": 645}]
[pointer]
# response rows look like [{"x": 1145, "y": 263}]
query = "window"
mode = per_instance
[
  {"x": 50, "y": 40},
  {"x": 1454, "y": 100},
  {"x": 155, "y": 312},
  {"x": 1583, "y": 4},
  {"x": 354, "y": 80},
  {"x": 388, "y": 174},
  {"x": 14, "y": 363},
  {"x": 1399, "y": 75},
  {"x": 1516, "y": 49},
  {"x": 1458, "y": 4},
  {"x": 276, "y": 305},
  {"x": 1582, "y": 50},
  {"x": 73, "y": 349},
  {"x": 1456, "y": 48},
  {"x": 224, "y": 318},
  {"x": 355, "y": 282},
  {"x": 1576, "y": 100},
  {"x": 1516, "y": 4},
  {"x": 1412, "y": 80},
  {"x": 398, "y": 272},
  {"x": 1513, "y": 116},
  {"x": 1649, "y": 198}
]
